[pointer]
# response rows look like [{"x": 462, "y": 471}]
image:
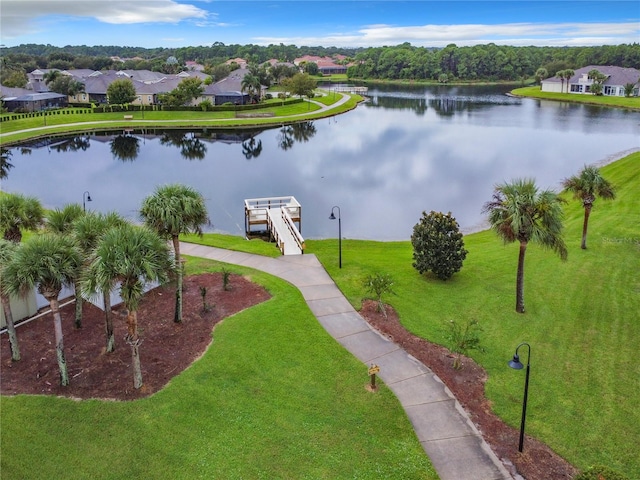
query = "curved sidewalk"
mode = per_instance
[{"x": 454, "y": 445}]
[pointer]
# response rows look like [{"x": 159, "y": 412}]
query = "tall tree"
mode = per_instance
[
  {"x": 66, "y": 85},
  {"x": 541, "y": 74},
  {"x": 520, "y": 212},
  {"x": 132, "y": 256},
  {"x": 588, "y": 185},
  {"x": 560, "y": 75},
  {"x": 568, "y": 73},
  {"x": 173, "y": 210},
  {"x": 120, "y": 92},
  {"x": 300, "y": 84},
  {"x": 18, "y": 213},
  {"x": 7, "y": 252},
  {"x": 88, "y": 230},
  {"x": 47, "y": 262},
  {"x": 251, "y": 84},
  {"x": 60, "y": 221}
]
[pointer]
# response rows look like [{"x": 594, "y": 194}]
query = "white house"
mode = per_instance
[{"x": 617, "y": 78}]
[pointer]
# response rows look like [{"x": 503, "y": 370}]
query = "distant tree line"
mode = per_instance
[
  {"x": 480, "y": 62},
  {"x": 484, "y": 62}
]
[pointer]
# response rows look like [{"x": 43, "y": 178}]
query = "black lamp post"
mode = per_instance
[
  {"x": 515, "y": 363},
  {"x": 88, "y": 199},
  {"x": 333, "y": 217}
]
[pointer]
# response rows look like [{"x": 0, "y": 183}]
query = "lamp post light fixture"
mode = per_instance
[
  {"x": 86, "y": 196},
  {"x": 516, "y": 364},
  {"x": 333, "y": 217}
]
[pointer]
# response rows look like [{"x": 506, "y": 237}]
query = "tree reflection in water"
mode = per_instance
[
  {"x": 251, "y": 148},
  {"x": 125, "y": 148}
]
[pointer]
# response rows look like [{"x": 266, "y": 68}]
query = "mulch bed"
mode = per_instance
[
  {"x": 536, "y": 462},
  {"x": 168, "y": 348}
]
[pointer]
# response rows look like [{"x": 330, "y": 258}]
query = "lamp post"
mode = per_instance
[
  {"x": 333, "y": 217},
  {"x": 88, "y": 199},
  {"x": 515, "y": 363}
]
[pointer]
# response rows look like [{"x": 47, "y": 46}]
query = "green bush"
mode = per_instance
[
  {"x": 600, "y": 472},
  {"x": 438, "y": 245}
]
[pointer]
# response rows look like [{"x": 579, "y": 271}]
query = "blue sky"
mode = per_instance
[{"x": 179, "y": 23}]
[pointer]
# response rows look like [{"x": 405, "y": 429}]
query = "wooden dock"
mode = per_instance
[
  {"x": 351, "y": 89},
  {"x": 277, "y": 217}
]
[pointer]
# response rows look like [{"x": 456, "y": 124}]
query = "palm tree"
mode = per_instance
[
  {"x": 251, "y": 83},
  {"x": 88, "y": 230},
  {"x": 520, "y": 212},
  {"x": 60, "y": 222},
  {"x": 173, "y": 210},
  {"x": 17, "y": 213},
  {"x": 6, "y": 165},
  {"x": 541, "y": 74},
  {"x": 7, "y": 251},
  {"x": 47, "y": 262},
  {"x": 560, "y": 75},
  {"x": 568, "y": 73},
  {"x": 132, "y": 256},
  {"x": 586, "y": 187}
]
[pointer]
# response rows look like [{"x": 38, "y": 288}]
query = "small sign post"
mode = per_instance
[{"x": 373, "y": 369}]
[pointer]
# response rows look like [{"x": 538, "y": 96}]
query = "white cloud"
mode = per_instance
[
  {"x": 542, "y": 34},
  {"x": 21, "y": 17}
]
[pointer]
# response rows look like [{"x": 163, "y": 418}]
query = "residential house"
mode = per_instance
[
  {"x": 25, "y": 100},
  {"x": 326, "y": 65},
  {"x": 241, "y": 62},
  {"x": 227, "y": 90},
  {"x": 580, "y": 83}
]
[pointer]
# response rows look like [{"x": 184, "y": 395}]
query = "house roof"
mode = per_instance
[
  {"x": 34, "y": 97},
  {"x": 231, "y": 83},
  {"x": 615, "y": 75}
]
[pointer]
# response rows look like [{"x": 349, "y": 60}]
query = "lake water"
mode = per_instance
[{"x": 405, "y": 151}]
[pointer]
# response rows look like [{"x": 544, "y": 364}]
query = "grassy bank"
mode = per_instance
[
  {"x": 606, "y": 101},
  {"x": 274, "y": 397},
  {"x": 581, "y": 321},
  {"x": 19, "y": 130}
]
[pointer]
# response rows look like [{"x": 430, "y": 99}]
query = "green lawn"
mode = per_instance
[
  {"x": 56, "y": 124},
  {"x": 535, "y": 92},
  {"x": 581, "y": 321},
  {"x": 274, "y": 397}
]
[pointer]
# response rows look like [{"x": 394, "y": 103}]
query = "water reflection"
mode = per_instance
[
  {"x": 382, "y": 164},
  {"x": 125, "y": 147}
]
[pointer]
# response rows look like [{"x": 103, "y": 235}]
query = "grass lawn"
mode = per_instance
[
  {"x": 274, "y": 397},
  {"x": 581, "y": 321},
  {"x": 628, "y": 102},
  {"x": 26, "y": 128}
]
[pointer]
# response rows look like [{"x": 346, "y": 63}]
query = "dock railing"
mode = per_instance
[
  {"x": 297, "y": 237},
  {"x": 255, "y": 210}
]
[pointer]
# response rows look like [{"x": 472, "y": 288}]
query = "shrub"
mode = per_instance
[
  {"x": 438, "y": 245},
  {"x": 378, "y": 285},
  {"x": 463, "y": 339},
  {"x": 226, "y": 279},
  {"x": 600, "y": 472}
]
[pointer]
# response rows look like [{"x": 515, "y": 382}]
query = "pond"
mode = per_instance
[{"x": 405, "y": 151}]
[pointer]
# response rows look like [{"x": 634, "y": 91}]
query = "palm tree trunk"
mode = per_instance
[
  {"x": 177, "y": 317},
  {"x": 134, "y": 341},
  {"x": 520, "y": 279},
  {"x": 11, "y": 329},
  {"x": 79, "y": 303},
  {"x": 108, "y": 322},
  {"x": 59, "y": 338},
  {"x": 585, "y": 224}
]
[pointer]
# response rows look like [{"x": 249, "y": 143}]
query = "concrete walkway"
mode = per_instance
[{"x": 454, "y": 445}]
